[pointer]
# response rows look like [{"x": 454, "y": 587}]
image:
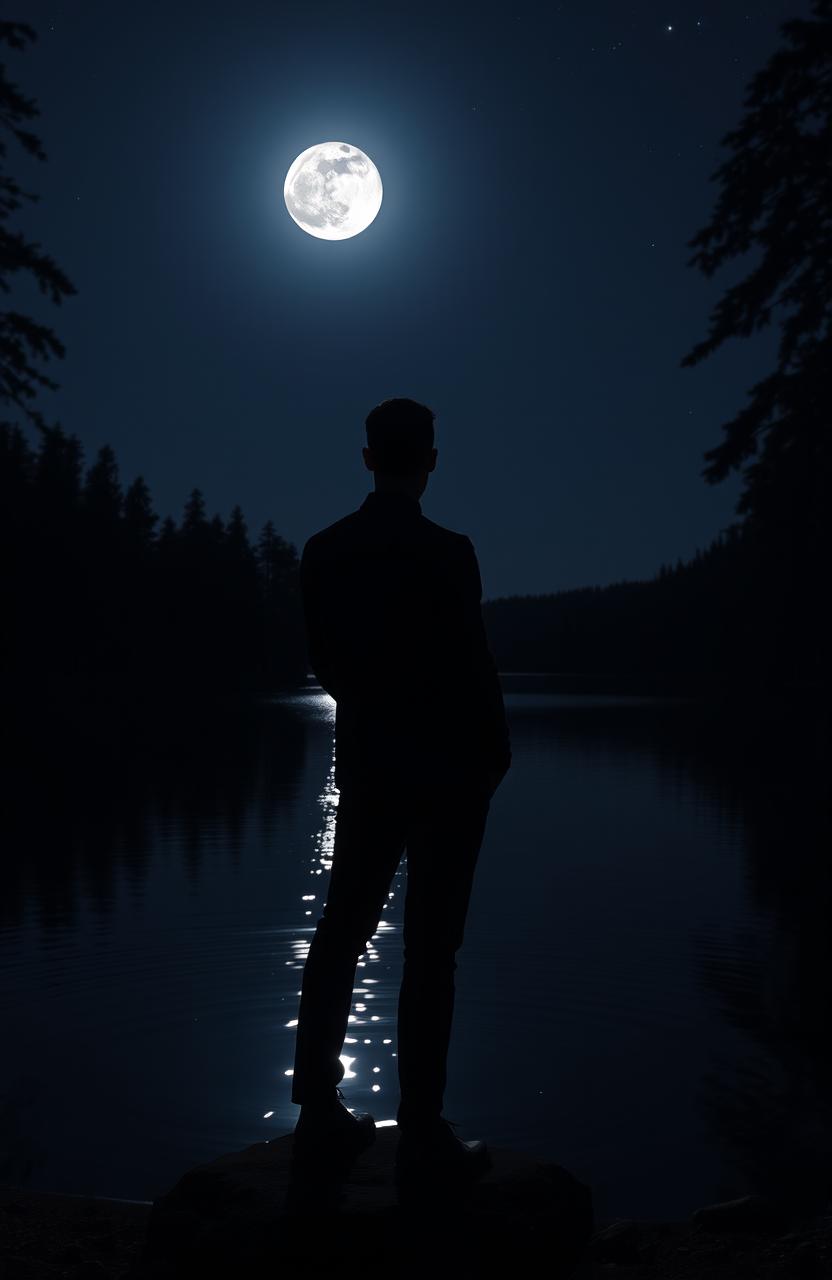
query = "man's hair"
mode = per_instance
[{"x": 400, "y": 434}]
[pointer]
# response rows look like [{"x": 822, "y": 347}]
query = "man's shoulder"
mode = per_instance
[
  {"x": 448, "y": 538},
  {"x": 342, "y": 531},
  {"x": 332, "y": 534}
]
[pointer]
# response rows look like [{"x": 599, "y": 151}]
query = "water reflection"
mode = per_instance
[
  {"x": 79, "y": 819},
  {"x": 374, "y": 1071},
  {"x": 708, "y": 833},
  {"x": 772, "y": 1105},
  {"x": 645, "y": 983}
]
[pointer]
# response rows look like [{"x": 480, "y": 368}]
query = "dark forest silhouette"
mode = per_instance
[
  {"x": 104, "y": 607},
  {"x": 720, "y": 620}
]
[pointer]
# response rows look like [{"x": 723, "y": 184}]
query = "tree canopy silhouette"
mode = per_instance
[
  {"x": 24, "y": 343},
  {"x": 776, "y": 201},
  {"x": 103, "y": 611}
]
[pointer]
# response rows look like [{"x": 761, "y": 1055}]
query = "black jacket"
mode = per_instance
[{"x": 395, "y": 635}]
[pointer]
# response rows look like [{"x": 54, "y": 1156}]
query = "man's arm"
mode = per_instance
[{"x": 484, "y": 669}]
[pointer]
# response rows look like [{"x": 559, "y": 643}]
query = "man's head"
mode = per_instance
[{"x": 400, "y": 450}]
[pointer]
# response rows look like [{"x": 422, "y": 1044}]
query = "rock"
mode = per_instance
[
  {"x": 17, "y": 1268},
  {"x": 106, "y": 1241},
  {"x": 805, "y": 1260},
  {"x": 748, "y": 1213},
  {"x": 254, "y": 1212},
  {"x": 152, "y": 1269},
  {"x": 617, "y": 1243},
  {"x": 88, "y": 1270},
  {"x": 16, "y": 1208},
  {"x": 69, "y": 1253}
]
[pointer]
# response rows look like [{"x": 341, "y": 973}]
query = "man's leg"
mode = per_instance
[
  {"x": 444, "y": 841},
  {"x": 369, "y": 840}
]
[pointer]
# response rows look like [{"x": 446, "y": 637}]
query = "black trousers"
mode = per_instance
[{"x": 441, "y": 826}]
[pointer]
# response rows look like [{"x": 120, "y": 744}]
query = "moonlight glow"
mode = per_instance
[{"x": 333, "y": 191}]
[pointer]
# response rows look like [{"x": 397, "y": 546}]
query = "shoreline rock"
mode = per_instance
[
  {"x": 255, "y": 1211},
  {"x": 51, "y": 1236}
]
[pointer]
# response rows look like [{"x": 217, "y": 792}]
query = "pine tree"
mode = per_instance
[
  {"x": 140, "y": 519},
  {"x": 102, "y": 495},
  {"x": 776, "y": 199},
  {"x": 168, "y": 534},
  {"x": 24, "y": 343},
  {"x": 237, "y": 534},
  {"x": 194, "y": 521},
  {"x": 58, "y": 472},
  {"x": 277, "y": 561},
  {"x": 17, "y": 467}
]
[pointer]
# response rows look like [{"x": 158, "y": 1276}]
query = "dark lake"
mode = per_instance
[{"x": 643, "y": 995}]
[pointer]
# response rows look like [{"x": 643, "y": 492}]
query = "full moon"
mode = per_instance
[{"x": 333, "y": 191}]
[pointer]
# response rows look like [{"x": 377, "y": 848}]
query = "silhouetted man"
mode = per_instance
[{"x": 396, "y": 636}]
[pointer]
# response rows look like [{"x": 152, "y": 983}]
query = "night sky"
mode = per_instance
[{"x": 543, "y": 170}]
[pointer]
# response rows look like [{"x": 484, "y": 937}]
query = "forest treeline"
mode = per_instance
[
  {"x": 105, "y": 599},
  {"x": 748, "y": 610},
  {"x": 108, "y": 604}
]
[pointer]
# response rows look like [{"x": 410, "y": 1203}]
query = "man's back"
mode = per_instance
[{"x": 395, "y": 632}]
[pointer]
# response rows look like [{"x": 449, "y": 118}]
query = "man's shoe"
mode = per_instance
[
  {"x": 433, "y": 1148},
  {"x": 328, "y": 1127}
]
